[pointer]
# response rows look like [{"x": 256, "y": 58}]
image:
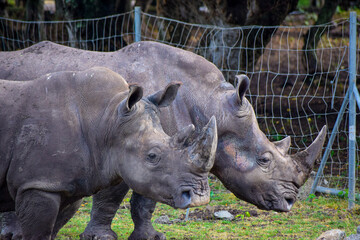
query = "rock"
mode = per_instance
[
  {"x": 209, "y": 208},
  {"x": 164, "y": 219},
  {"x": 325, "y": 182},
  {"x": 225, "y": 215},
  {"x": 304, "y": 191},
  {"x": 354, "y": 236},
  {"x": 335, "y": 234}
]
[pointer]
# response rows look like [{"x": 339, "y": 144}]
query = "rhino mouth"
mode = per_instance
[
  {"x": 280, "y": 205},
  {"x": 281, "y": 199}
]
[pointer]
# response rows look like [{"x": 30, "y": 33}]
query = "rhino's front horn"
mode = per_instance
[
  {"x": 202, "y": 152},
  {"x": 306, "y": 158}
]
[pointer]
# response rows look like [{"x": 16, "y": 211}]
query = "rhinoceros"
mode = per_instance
[
  {"x": 247, "y": 163},
  {"x": 69, "y": 134}
]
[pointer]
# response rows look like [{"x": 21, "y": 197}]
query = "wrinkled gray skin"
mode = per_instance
[
  {"x": 248, "y": 164},
  {"x": 67, "y": 135}
]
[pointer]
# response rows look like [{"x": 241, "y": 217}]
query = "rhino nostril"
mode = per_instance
[
  {"x": 290, "y": 202},
  {"x": 186, "y": 197}
]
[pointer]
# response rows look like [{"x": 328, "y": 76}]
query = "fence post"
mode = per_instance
[
  {"x": 352, "y": 109},
  {"x": 335, "y": 130},
  {"x": 137, "y": 24},
  {"x": 351, "y": 98}
]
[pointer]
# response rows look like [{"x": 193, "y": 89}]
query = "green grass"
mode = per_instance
[{"x": 307, "y": 220}]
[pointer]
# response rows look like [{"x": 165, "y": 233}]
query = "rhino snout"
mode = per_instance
[{"x": 194, "y": 195}]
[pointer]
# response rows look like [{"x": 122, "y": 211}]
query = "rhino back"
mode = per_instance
[
  {"x": 46, "y": 57},
  {"x": 151, "y": 64}
]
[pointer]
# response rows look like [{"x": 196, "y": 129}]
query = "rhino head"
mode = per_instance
[
  {"x": 172, "y": 170},
  {"x": 253, "y": 168}
]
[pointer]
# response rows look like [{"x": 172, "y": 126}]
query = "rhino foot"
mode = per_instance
[
  {"x": 10, "y": 227},
  {"x": 98, "y": 233},
  {"x": 141, "y": 235}
]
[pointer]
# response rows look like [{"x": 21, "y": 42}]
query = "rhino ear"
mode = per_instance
[
  {"x": 283, "y": 145},
  {"x": 135, "y": 95},
  {"x": 164, "y": 98},
  {"x": 242, "y": 86}
]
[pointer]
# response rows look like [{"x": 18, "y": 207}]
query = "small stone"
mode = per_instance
[
  {"x": 164, "y": 219},
  {"x": 358, "y": 230},
  {"x": 210, "y": 208},
  {"x": 176, "y": 220},
  {"x": 326, "y": 183},
  {"x": 225, "y": 215},
  {"x": 335, "y": 234}
]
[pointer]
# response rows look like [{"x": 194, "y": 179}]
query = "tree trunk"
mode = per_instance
[
  {"x": 35, "y": 10},
  {"x": 3, "y": 5},
  {"x": 237, "y": 49},
  {"x": 101, "y": 29},
  {"x": 314, "y": 34},
  {"x": 143, "y": 4},
  {"x": 60, "y": 9}
]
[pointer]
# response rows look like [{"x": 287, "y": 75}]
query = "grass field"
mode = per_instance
[{"x": 307, "y": 220}]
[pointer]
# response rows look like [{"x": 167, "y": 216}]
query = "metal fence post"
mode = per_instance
[
  {"x": 350, "y": 99},
  {"x": 352, "y": 109},
  {"x": 137, "y": 24},
  {"x": 335, "y": 130}
]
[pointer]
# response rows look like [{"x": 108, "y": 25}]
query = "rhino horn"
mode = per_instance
[
  {"x": 184, "y": 134},
  {"x": 283, "y": 145},
  {"x": 306, "y": 158},
  {"x": 242, "y": 86},
  {"x": 202, "y": 152},
  {"x": 164, "y": 98}
]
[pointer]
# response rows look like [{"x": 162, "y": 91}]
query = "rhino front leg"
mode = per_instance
[
  {"x": 64, "y": 216},
  {"x": 10, "y": 226},
  {"x": 142, "y": 209},
  {"x": 37, "y": 212},
  {"x": 105, "y": 204}
]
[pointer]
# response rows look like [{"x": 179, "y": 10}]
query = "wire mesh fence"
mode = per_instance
[
  {"x": 296, "y": 88},
  {"x": 99, "y": 34}
]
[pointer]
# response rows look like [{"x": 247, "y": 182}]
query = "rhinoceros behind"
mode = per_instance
[
  {"x": 67, "y": 135},
  {"x": 248, "y": 164}
]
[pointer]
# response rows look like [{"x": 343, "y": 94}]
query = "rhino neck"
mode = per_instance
[{"x": 97, "y": 114}]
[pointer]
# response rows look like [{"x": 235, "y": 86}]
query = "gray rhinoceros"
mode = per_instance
[
  {"x": 67, "y": 135},
  {"x": 253, "y": 168}
]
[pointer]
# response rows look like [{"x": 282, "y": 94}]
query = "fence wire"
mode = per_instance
[
  {"x": 296, "y": 88},
  {"x": 99, "y": 34}
]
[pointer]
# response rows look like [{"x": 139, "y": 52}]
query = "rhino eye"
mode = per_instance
[
  {"x": 264, "y": 160},
  {"x": 153, "y": 156}
]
